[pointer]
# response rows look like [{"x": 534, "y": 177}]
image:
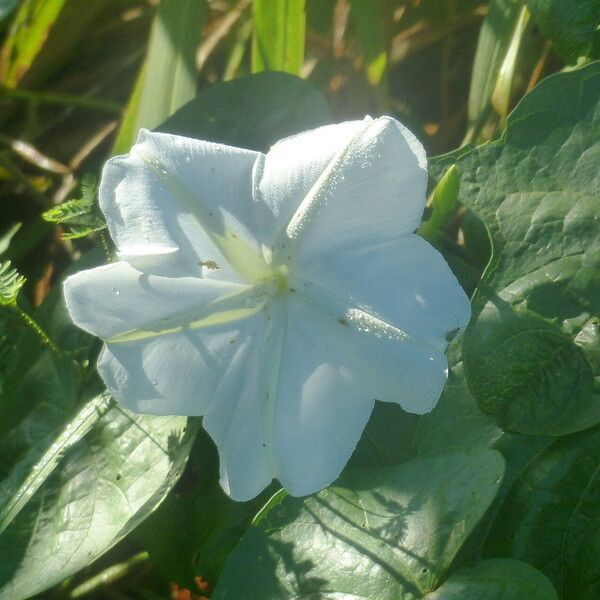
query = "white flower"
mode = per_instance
[{"x": 277, "y": 295}]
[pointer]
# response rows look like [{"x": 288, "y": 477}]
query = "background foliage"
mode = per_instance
[{"x": 494, "y": 494}]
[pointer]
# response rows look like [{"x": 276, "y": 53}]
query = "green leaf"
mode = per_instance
[
  {"x": 571, "y": 25},
  {"x": 537, "y": 193},
  {"x": 274, "y": 105},
  {"x": 278, "y": 40},
  {"x": 103, "y": 487},
  {"x": 11, "y": 283},
  {"x": 367, "y": 21},
  {"x": 387, "y": 533},
  {"x": 443, "y": 204},
  {"x": 168, "y": 78},
  {"x": 81, "y": 216},
  {"x": 550, "y": 516},
  {"x": 42, "y": 37},
  {"x": 74, "y": 431},
  {"x": 494, "y": 40},
  {"x": 496, "y": 579}
]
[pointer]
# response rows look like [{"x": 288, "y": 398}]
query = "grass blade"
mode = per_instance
[{"x": 278, "y": 41}]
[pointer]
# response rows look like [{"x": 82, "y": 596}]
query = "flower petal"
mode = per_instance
[
  {"x": 405, "y": 282},
  {"x": 172, "y": 193},
  {"x": 368, "y": 181},
  {"x": 177, "y": 373},
  {"x": 331, "y": 374},
  {"x": 293, "y": 165},
  {"x": 235, "y": 421},
  {"x": 322, "y": 406},
  {"x": 115, "y": 299}
]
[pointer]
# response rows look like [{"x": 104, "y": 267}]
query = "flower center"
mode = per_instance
[{"x": 276, "y": 283}]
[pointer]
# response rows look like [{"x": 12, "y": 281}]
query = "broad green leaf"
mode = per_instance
[
  {"x": 278, "y": 40},
  {"x": 14, "y": 500},
  {"x": 571, "y": 25},
  {"x": 550, "y": 516},
  {"x": 496, "y": 579},
  {"x": 171, "y": 77},
  {"x": 274, "y": 105},
  {"x": 494, "y": 40},
  {"x": 393, "y": 436},
  {"x": 538, "y": 196},
  {"x": 104, "y": 486},
  {"x": 367, "y": 22},
  {"x": 383, "y": 534}
]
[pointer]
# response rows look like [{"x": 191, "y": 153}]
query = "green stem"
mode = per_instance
[
  {"x": 33, "y": 324},
  {"x": 109, "y": 575},
  {"x": 63, "y": 99}
]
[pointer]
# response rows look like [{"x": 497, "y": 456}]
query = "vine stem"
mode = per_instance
[{"x": 33, "y": 324}]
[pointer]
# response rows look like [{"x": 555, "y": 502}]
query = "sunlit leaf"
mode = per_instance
[
  {"x": 278, "y": 40},
  {"x": 11, "y": 283},
  {"x": 383, "y": 533}
]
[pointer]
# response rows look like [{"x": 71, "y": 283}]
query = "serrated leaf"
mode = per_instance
[
  {"x": 11, "y": 282},
  {"x": 381, "y": 533},
  {"x": 79, "y": 216}
]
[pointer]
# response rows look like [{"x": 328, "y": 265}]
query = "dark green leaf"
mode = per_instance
[
  {"x": 496, "y": 579},
  {"x": 197, "y": 527},
  {"x": 539, "y": 200},
  {"x": 550, "y": 516},
  {"x": 273, "y": 105},
  {"x": 384, "y": 534},
  {"x": 571, "y": 25}
]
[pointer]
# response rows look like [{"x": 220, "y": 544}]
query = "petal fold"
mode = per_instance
[{"x": 176, "y": 194}]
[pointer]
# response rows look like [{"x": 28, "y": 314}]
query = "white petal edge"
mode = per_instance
[
  {"x": 331, "y": 374},
  {"x": 117, "y": 298},
  {"x": 404, "y": 281},
  {"x": 373, "y": 190}
]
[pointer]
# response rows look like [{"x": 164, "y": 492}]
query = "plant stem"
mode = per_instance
[{"x": 33, "y": 324}]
